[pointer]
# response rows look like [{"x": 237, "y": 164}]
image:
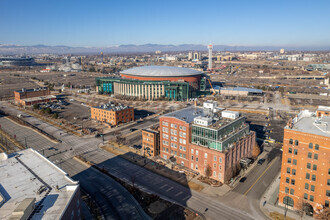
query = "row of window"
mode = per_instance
[
  {"x": 174, "y": 126},
  {"x": 310, "y": 145},
  {"x": 314, "y": 166}
]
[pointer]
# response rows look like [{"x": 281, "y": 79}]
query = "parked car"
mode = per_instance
[
  {"x": 261, "y": 161},
  {"x": 242, "y": 180}
]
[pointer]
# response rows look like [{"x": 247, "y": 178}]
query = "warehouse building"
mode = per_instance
[
  {"x": 32, "y": 187},
  {"x": 112, "y": 114},
  {"x": 208, "y": 136},
  {"x": 150, "y": 141},
  {"x": 305, "y": 170},
  {"x": 155, "y": 83},
  {"x": 33, "y": 96}
]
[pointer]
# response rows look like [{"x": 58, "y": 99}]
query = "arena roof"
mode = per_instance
[{"x": 161, "y": 71}]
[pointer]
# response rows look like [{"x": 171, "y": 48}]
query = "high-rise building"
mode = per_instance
[
  {"x": 305, "y": 172},
  {"x": 210, "y": 47},
  {"x": 282, "y": 51},
  {"x": 190, "y": 55},
  {"x": 206, "y": 137}
]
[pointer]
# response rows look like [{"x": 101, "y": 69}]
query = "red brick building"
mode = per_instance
[
  {"x": 150, "y": 142},
  {"x": 112, "y": 115},
  {"x": 305, "y": 172},
  {"x": 182, "y": 139},
  {"x": 31, "y": 93}
]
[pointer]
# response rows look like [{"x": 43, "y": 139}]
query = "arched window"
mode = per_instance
[
  {"x": 290, "y": 141},
  {"x": 288, "y": 201},
  {"x": 310, "y": 146},
  {"x": 296, "y": 142}
]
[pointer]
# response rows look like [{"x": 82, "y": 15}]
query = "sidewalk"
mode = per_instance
[{"x": 271, "y": 205}]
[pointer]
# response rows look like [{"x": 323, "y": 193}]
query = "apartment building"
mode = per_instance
[
  {"x": 112, "y": 114},
  {"x": 150, "y": 141},
  {"x": 202, "y": 137},
  {"x": 305, "y": 172}
]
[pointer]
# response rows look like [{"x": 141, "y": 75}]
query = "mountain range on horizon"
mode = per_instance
[{"x": 132, "y": 48}]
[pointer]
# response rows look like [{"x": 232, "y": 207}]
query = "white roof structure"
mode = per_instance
[
  {"x": 27, "y": 174},
  {"x": 161, "y": 71}
]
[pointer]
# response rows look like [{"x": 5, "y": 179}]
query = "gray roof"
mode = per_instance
[
  {"x": 161, "y": 71},
  {"x": 187, "y": 114}
]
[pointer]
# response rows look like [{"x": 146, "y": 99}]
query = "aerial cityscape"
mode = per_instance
[{"x": 165, "y": 110}]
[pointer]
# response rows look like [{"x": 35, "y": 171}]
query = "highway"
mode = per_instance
[{"x": 228, "y": 207}]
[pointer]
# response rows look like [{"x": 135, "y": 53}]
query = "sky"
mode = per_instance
[{"x": 101, "y": 23}]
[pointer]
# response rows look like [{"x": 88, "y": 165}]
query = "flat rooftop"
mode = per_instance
[
  {"x": 188, "y": 114},
  {"x": 308, "y": 123},
  {"x": 32, "y": 90},
  {"x": 39, "y": 98},
  {"x": 112, "y": 107},
  {"x": 27, "y": 174}
]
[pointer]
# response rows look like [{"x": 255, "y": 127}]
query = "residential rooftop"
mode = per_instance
[
  {"x": 40, "y": 98},
  {"x": 307, "y": 122},
  {"x": 27, "y": 174}
]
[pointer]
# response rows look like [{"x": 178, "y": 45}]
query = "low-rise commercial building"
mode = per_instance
[
  {"x": 112, "y": 114},
  {"x": 239, "y": 91},
  {"x": 33, "y": 96},
  {"x": 150, "y": 141},
  {"x": 206, "y": 137},
  {"x": 305, "y": 172},
  {"x": 32, "y": 187}
]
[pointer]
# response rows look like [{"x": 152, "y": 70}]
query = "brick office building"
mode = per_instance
[
  {"x": 198, "y": 137},
  {"x": 305, "y": 172},
  {"x": 33, "y": 96},
  {"x": 150, "y": 141},
  {"x": 112, "y": 115},
  {"x": 31, "y": 93}
]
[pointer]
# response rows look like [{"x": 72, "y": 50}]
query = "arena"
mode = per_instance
[
  {"x": 155, "y": 83},
  {"x": 17, "y": 61}
]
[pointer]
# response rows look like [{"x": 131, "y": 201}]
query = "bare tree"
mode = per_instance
[{"x": 208, "y": 171}]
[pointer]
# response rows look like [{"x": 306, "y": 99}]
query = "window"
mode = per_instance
[
  {"x": 313, "y": 177},
  {"x": 312, "y": 188},
  {"x": 220, "y": 176},
  {"x": 290, "y": 141},
  {"x": 308, "y": 165},
  {"x": 296, "y": 142},
  {"x": 326, "y": 204},
  {"x": 287, "y": 180},
  {"x": 317, "y": 147},
  {"x": 289, "y": 160},
  {"x": 328, "y": 182},
  {"x": 306, "y": 186},
  {"x": 197, "y": 152},
  {"x": 327, "y": 193},
  {"x": 293, "y": 172},
  {"x": 215, "y": 158},
  {"x": 192, "y": 151},
  {"x": 214, "y": 173},
  {"x": 310, "y": 146},
  {"x": 215, "y": 165},
  {"x": 220, "y": 161},
  {"x": 292, "y": 191},
  {"x": 290, "y": 150},
  {"x": 329, "y": 171},
  {"x": 286, "y": 190},
  {"x": 220, "y": 167},
  {"x": 192, "y": 157},
  {"x": 293, "y": 182},
  {"x": 314, "y": 167},
  {"x": 305, "y": 196},
  {"x": 288, "y": 170},
  {"x": 309, "y": 155},
  {"x": 295, "y": 151},
  {"x": 316, "y": 156},
  {"x": 311, "y": 198},
  {"x": 294, "y": 162},
  {"x": 308, "y": 176},
  {"x": 205, "y": 155}
]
